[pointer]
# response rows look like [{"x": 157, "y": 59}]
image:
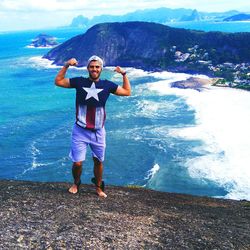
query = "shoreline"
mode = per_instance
[
  {"x": 193, "y": 82},
  {"x": 200, "y": 83}
]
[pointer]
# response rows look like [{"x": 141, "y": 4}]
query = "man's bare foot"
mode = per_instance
[
  {"x": 100, "y": 193},
  {"x": 73, "y": 189}
]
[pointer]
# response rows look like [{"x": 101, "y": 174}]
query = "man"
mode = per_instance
[{"x": 91, "y": 96}]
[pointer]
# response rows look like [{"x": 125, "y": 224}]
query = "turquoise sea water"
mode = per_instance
[{"x": 161, "y": 138}]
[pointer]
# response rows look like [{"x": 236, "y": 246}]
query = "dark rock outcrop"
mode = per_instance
[
  {"x": 43, "y": 40},
  {"x": 46, "y": 216},
  {"x": 149, "y": 45}
]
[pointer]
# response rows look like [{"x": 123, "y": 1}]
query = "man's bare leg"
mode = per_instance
[
  {"x": 98, "y": 169},
  {"x": 76, "y": 172}
]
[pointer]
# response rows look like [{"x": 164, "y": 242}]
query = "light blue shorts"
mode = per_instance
[{"x": 81, "y": 138}]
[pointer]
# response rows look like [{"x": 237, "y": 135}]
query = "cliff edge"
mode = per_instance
[{"x": 46, "y": 216}]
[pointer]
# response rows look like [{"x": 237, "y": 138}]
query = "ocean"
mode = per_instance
[{"x": 162, "y": 138}]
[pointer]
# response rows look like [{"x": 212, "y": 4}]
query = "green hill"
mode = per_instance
[{"x": 152, "y": 46}]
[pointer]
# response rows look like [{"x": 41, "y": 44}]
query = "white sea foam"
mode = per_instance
[
  {"x": 38, "y": 61},
  {"x": 41, "y": 47},
  {"x": 154, "y": 109},
  {"x": 164, "y": 75},
  {"x": 151, "y": 173},
  {"x": 38, "y": 148},
  {"x": 35, "y": 152},
  {"x": 223, "y": 117},
  {"x": 170, "y": 76},
  {"x": 132, "y": 73},
  {"x": 222, "y": 123}
]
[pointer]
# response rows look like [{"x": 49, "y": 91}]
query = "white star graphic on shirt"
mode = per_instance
[{"x": 92, "y": 92}]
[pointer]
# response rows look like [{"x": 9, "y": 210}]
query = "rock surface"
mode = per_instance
[{"x": 46, "y": 216}]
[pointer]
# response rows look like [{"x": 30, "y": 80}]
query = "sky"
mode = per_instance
[{"x": 32, "y": 14}]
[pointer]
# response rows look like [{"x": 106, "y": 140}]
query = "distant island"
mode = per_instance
[
  {"x": 43, "y": 41},
  {"x": 195, "y": 16},
  {"x": 157, "y": 47},
  {"x": 158, "y": 15},
  {"x": 239, "y": 17}
]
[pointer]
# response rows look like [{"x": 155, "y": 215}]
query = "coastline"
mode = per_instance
[
  {"x": 45, "y": 215},
  {"x": 200, "y": 83},
  {"x": 197, "y": 80}
]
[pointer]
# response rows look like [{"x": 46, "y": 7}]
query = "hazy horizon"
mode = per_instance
[{"x": 49, "y": 14}]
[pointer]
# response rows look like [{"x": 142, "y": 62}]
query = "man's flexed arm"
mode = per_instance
[
  {"x": 60, "y": 79},
  {"x": 125, "y": 89}
]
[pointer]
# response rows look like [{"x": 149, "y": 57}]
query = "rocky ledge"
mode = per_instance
[{"x": 46, "y": 216}]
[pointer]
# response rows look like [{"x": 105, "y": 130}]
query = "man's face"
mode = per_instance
[{"x": 95, "y": 70}]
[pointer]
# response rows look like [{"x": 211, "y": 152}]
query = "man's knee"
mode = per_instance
[{"x": 77, "y": 164}]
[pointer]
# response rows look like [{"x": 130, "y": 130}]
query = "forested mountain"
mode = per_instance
[{"x": 152, "y": 46}]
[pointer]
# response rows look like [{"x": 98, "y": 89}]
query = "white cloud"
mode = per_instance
[
  {"x": 97, "y": 6},
  {"x": 44, "y": 5}
]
